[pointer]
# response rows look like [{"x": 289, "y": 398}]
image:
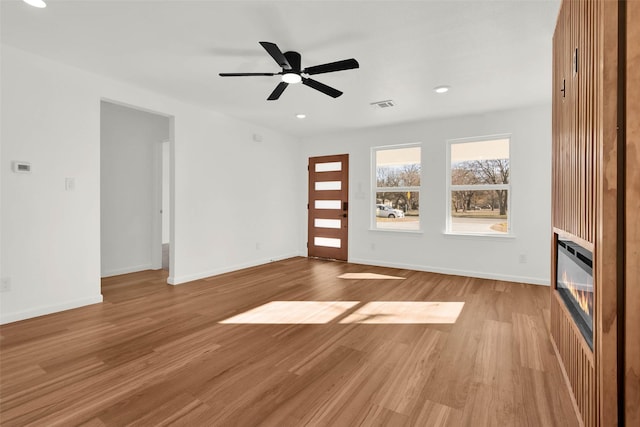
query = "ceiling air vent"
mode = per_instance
[{"x": 383, "y": 104}]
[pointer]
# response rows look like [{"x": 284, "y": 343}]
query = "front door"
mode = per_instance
[{"x": 328, "y": 206}]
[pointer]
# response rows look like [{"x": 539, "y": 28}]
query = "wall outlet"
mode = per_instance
[
  {"x": 5, "y": 284},
  {"x": 373, "y": 246},
  {"x": 258, "y": 246},
  {"x": 69, "y": 184},
  {"x": 522, "y": 258}
]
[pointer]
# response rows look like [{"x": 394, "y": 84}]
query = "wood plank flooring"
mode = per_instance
[{"x": 154, "y": 354}]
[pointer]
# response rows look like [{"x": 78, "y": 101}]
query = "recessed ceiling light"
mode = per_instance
[
  {"x": 301, "y": 116},
  {"x": 291, "y": 78},
  {"x": 441, "y": 89},
  {"x": 36, "y": 3}
]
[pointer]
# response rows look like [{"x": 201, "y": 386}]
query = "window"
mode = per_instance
[
  {"x": 479, "y": 186},
  {"x": 397, "y": 187}
]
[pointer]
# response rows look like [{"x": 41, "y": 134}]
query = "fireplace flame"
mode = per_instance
[{"x": 583, "y": 298}]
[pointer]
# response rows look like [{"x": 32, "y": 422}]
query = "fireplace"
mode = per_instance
[{"x": 574, "y": 283}]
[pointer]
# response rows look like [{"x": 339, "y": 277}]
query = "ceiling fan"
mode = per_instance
[{"x": 292, "y": 73}]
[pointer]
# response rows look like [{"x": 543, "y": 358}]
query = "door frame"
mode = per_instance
[
  {"x": 342, "y": 253},
  {"x": 156, "y": 190}
]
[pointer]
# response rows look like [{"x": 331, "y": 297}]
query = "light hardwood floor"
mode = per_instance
[{"x": 154, "y": 354}]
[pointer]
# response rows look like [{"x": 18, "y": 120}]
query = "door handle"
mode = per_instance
[
  {"x": 345, "y": 206},
  {"x": 344, "y": 215}
]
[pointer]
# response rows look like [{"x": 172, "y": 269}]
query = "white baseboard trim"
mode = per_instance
[
  {"x": 455, "y": 272},
  {"x": 173, "y": 280},
  {"x": 41, "y": 311},
  {"x": 127, "y": 270}
]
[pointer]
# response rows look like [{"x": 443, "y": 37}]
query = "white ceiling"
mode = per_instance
[{"x": 494, "y": 54}]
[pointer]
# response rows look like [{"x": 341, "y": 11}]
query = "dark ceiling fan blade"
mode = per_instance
[
  {"x": 275, "y": 52},
  {"x": 346, "y": 64},
  {"x": 277, "y": 91},
  {"x": 245, "y": 74},
  {"x": 328, "y": 90}
]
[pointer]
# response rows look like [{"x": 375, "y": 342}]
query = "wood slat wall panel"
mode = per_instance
[
  {"x": 608, "y": 253},
  {"x": 577, "y": 360},
  {"x": 573, "y": 179},
  {"x": 586, "y": 169},
  {"x": 574, "y": 121},
  {"x": 632, "y": 253}
]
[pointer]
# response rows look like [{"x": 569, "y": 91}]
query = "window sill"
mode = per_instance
[
  {"x": 479, "y": 235},
  {"x": 396, "y": 230}
]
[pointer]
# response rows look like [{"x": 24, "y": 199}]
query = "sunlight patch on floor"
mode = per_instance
[
  {"x": 293, "y": 312},
  {"x": 399, "y": 312},
  {"x": 368, "y": 276}
]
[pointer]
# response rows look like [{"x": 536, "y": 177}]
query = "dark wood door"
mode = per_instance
[{"x": 328, "y": 207}]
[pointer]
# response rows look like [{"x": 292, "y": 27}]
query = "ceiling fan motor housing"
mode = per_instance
[{"x": 294, "y": 59}]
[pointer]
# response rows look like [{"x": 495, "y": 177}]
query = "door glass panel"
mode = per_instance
[
  {"x": 326, "y": 241},
  {"x": 328, "y": 185},
  {"x": 328, "y": 204},
  {"x": 327, "y": 223},
  {"x": 328, "y": 167}
]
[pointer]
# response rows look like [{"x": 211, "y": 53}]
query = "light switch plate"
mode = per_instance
[{"x": 5, "y": 284}]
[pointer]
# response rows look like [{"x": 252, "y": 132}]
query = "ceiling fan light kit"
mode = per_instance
[
  {"x": 292, "y": 72},
  {"x": 291, "y": 78}
]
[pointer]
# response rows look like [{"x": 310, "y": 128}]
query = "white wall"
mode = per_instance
[
  {"x": 230, "y": 195},
  {"x": 166, "y": 193},
  {"x": 432, "y": 250},
  {"x": 130, "y": 179}
]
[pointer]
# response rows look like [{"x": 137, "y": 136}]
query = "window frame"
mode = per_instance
[
  {"x": 478, "y": 187},
  {"x": 373, "y": 226}
]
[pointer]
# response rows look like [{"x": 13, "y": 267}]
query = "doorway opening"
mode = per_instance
[{"x": 135, "y": 181}]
